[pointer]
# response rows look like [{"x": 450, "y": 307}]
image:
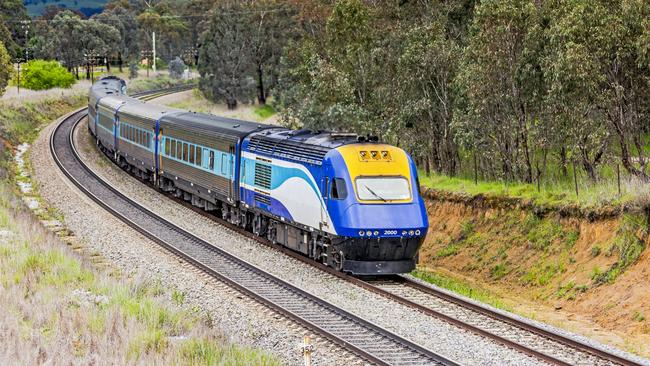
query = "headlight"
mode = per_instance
[
  {"x": 417, "y": 232},
  {"x": 368, "y": 232},
  {"x": 404, "y": 233},
  {"x": 376, "y": 233},
  {"x": 362, "y": 233},
  {"x": 411, "y": 232}
]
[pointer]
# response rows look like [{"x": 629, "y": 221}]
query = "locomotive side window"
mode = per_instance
[{"x": 339, "y": 190}]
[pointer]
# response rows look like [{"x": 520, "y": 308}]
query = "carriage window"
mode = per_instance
[
  {"x": 168, "y": 147},
  {"x": 192, "y": 152},
  {"x": 339, "y": 190},
  {"x": 199, "y": 157},
  {"x": 224, "y": 167},
  {"x": 184, "y": 151},
  {"x": 211, "y": 162}
]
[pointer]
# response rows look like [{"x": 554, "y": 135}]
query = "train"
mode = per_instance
[{"x": 347, "y": 201}]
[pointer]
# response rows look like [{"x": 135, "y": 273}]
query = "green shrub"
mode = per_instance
[{"x": 41, "y": 75}]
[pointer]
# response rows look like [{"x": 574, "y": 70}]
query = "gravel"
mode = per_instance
[
  {"x": 429, "y": 332},
  {"x": 240, "y": 319}
]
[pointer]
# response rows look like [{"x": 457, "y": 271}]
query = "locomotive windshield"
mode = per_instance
[{"x": 383, "y": 188}]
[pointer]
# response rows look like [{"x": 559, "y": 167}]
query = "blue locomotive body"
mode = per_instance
[{"x": 351, "y": 204}]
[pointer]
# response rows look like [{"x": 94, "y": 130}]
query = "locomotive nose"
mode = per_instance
[{"x": 394, "y": 221}]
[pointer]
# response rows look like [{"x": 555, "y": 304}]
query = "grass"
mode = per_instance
[
  {"x": 55, "y": 305},
  {"x": 551, "y": 193},
  {"x": 461, "y": 287},
  {"x": 629, "y": 243},
  {"x": 22, "y": 123},
  {"x": 265, "y": 111}
]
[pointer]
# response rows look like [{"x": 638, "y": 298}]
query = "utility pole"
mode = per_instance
[
  {"x": 25, "y": 26},
  {"x": 18, "y": 61},
  {"x": 154, "y": 52},
  {"x": 91, "y": 57}
]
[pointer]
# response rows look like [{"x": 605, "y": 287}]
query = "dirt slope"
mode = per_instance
[{"x": 588, "y": 276}]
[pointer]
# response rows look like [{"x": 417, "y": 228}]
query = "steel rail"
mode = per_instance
[{"x": 375, "y": 337}]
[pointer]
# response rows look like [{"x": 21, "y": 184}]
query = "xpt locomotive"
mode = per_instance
[{"x": 345, "y": 201}]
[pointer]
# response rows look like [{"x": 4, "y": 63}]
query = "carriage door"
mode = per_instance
[{"x": 325, "y": 187}]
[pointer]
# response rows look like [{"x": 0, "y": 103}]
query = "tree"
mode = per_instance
[
  {"x": 125, "y": 22},
  {"x": 133, "y": 70},
  {"x": 500, "y": 81},
  {"x": 14, "y": 15},
  {"x": 224, "y": 62},
  {"x": 176, "y": 68},
  {"x": 76, "y": 38},
  {"x": 5, "y": 68},
  {"x": 270, "y": 27},
  {"x": 426, "y": 71},
  {"x": 596, "y": 82}
]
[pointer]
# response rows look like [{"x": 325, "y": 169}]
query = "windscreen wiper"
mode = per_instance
[{"x": 375, "y": 194}]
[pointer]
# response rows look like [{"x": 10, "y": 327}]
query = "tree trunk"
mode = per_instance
[
  {"x": 119, "y": 60},
  {"x": 563, "y": 162},
  {"x": 231, "y": 103},
  {"x": 261, "y": 95}
]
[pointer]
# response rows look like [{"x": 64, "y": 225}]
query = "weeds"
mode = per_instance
[
  {"x": 56, "y": 307},
  {"x": 629, "y": 243},
  {"x": 461, "y": 288}
]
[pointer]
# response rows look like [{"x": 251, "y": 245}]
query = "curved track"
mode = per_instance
[{"x": 367, "y": 340}]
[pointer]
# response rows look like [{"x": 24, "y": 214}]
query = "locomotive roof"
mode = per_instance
[
  {"x": 214, "y": 124},
  {"x": 300, "y": 145},
  {"x": 109, "y": 85}
]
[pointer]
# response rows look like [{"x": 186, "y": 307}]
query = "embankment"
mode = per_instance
[{"x": 585, "y": 269}]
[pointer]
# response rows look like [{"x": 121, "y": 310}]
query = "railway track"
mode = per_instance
[
  {"x": 363, "y": 338},
  {"x": 512, "y": 332}
]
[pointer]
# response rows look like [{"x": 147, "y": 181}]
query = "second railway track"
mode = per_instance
[{"x": 367, "y": 340}]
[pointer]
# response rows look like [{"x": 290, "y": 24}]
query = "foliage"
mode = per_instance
[
  {"x": 133, "y": 70},
  {"x": 5, "y": 68},
  {"x": 629, "y": 243},
  {"x": 22, "y": 124},
  {"x": 225, "y": 65},
  {"x": 461, "y": 288},
  {"x": 521, "y": 89},
  {"x": 12, "y": 30},
  {"x": 41, "y": 75},
  {"x": 176, "y": 68}
]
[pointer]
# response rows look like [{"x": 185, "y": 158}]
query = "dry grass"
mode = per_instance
[{"x": 57, "y": 309}]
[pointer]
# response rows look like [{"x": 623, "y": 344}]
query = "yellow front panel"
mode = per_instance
[{"x": 373, "y": 160}]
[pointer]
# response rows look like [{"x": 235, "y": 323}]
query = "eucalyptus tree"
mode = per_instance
[
  {"x": 125, "y": 22},
  {"x": 225, "y": 62},
  {"x": 5, "y": 68},
  {"x": 598, "y": 82},
  {"x": 270, "y": 26},
  {"x": 500, "y": 81}
]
